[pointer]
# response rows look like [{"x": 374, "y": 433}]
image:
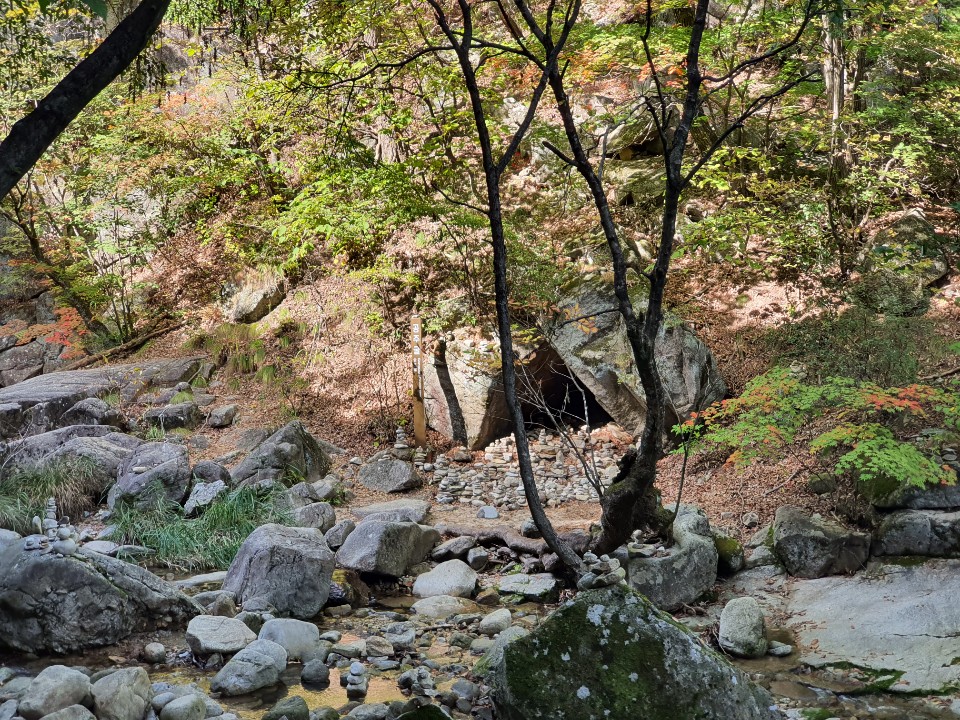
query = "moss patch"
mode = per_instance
[{"x": 610, "y": 654}]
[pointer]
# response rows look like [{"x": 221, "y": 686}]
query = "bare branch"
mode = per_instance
[
  {"x": 754, "y": 107},
  {"x": 559, "y": 153},
  {"x": 810, "y": 12}
]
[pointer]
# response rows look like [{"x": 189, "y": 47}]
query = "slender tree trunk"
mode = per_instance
[
  {"x": 632, "y": 501},
  {"x": 492, "y": 170}
]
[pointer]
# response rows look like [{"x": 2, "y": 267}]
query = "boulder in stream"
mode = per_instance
[
  {"x": 53, "y": 604},
  {"x": 610, "y": 654}
]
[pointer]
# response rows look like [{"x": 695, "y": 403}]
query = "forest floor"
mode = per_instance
[{"x": 357, "y": 393}]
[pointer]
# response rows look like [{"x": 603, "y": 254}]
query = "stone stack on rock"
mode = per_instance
[
  {"x": 356, "y": 681},
  {"x": 418, "y": 681},
  {"x": 601, "y": 572},
  {"x": 685, "y": 572}
]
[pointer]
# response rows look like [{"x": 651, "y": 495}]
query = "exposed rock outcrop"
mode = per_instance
[
  {"x": 52, "y": 604},
  {"x": 811, "y": 547},
  {"x": 289, "y": 455},
  {"x": 603, "y": 363}
]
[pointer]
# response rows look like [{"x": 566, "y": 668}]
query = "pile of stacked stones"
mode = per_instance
[{"x": 559, "y": 473}]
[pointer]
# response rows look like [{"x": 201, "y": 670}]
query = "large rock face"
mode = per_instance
[
  {"x": 288, "y": 456},
  {"x": 932, "y": 533},
  {"x": 610, "y": 654},
  {"x": 603, "y": 362},
  {"x": 256, "y": 297},
  {"x": 152, "y": 471},
  {"x": 22, "y": 362},
  {"x": 288, "y": 568},
  {"x": 897, "y": 621},
  {"x": 61, "y": 605},
  {"x": 810, "y": 548},
  {"x": 386, "y": 548},
  {"x": 890, "y": 493},
  {"x": 463, "y": 394},
  {"x": 36, "y": 405},
  {"x": 98, "y": 447},
  {"x": 687, "y": 572}
]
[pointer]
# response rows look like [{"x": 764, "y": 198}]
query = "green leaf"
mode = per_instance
[{"x": 97, "y": 7}]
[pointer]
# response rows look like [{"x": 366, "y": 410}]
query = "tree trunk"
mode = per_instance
[{"x": 31, "y": 136}]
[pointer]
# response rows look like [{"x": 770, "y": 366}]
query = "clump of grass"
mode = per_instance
[
  {"x": 181, "y": 397},
  {"x": 209, "y": 542},
  {"x": 239, "y": 348},
  {"x": 112, "y": 399},
  {"x": 74, "y": 484},
  {"x": 155, "y": 434}
]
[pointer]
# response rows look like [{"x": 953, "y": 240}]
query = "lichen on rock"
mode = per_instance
[{"x": 633, "y": 661}]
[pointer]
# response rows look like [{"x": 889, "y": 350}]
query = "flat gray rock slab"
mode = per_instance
[
  {"x": 542, "y": 586},
  {"x": 890, "y": 617}
]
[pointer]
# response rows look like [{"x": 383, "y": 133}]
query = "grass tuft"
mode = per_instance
[
  {"x": 24, "y": 492},
  {"x": 209, "y": 542}
]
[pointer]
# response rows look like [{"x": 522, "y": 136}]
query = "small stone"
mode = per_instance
[
  {"x": 779, "y": 649},
  {"x": 478, "y": 558},
  {"x": 315, "y": 672},
  {"x": 495, "y": 622},
  {"x": 188, "y": 707},
  {"x": 293, "y": 707},
  {"x": 154, "y": 653},
  {"x": 488, "y": 512},
  {"x": 487, "y": 597}
]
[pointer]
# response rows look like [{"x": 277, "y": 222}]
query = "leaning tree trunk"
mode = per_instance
[{"x": 31, "y": 136}]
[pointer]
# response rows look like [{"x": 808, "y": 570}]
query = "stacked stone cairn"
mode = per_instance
[
  {"x": 52, "y": 535},
  {"x": 356, "y": 681},
  {"x": 418, "y": 681},
  {"x": 602, "y": 571},
  {"x": 560, "y": 477}
]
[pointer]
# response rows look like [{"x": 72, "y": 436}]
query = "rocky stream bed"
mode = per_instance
[{"x": 386, "y": 607}]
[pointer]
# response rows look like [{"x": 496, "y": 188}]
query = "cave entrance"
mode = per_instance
[{"x": 553, "y": 398}]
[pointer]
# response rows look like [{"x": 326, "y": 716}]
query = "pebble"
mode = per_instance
[{"x": 154, "y": 653}]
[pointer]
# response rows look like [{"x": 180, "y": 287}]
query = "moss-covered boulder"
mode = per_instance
[
  {"x": 902, "y": 261},
  {"x": 888, "y": 491},
  {"x": 730, "y": 555},
  {"x": 610, "y": 654}
]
